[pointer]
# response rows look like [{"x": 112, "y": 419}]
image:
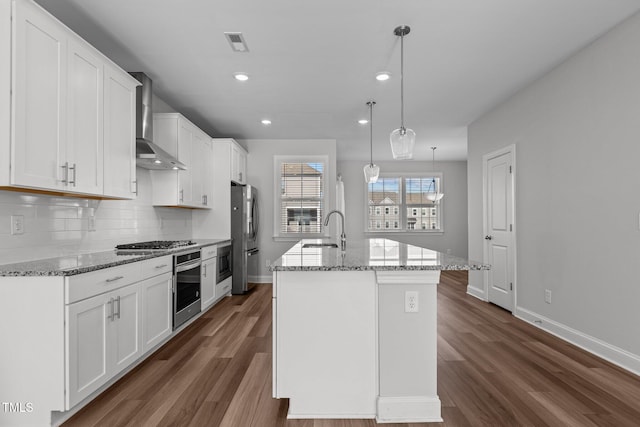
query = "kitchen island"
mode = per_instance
[{"x": 355, "y": 331}]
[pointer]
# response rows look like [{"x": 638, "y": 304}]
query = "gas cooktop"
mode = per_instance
[{"x": 156, "y": 244}]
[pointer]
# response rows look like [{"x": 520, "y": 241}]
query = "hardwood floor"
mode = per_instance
[{"x": 493, "y": 370}]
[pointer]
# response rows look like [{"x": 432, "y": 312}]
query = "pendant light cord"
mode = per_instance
[
  {"x": 371, "y": 104},
  {"x": 402, "y": 130},
  {"x": 433, "y": 167}
]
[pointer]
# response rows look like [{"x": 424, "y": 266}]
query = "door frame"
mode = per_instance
[{"x": 512, "y": 241}]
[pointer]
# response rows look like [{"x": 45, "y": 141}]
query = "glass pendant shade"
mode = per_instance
[
  {"x": 435, "y": 197},
  {"x": 402, "y": 142},
  {"x": 371, "y": 173}
]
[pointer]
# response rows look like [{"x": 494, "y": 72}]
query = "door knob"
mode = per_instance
[{"x": 488, "y": 237}]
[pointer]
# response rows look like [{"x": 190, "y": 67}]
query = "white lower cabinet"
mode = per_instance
[
  {"x": 157, "y": 300},
  {"x": 223, "y": 288},
  {"x": 208, "y": 273},
  {"x": 103, "y": 338}
]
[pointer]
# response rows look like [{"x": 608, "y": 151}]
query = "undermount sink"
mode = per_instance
[{"x": 319, "y": 245}]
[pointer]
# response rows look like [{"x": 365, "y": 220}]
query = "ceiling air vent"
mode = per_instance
[{"x": 236, "y": 40}]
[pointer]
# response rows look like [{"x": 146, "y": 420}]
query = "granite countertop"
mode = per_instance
[
  {"x": 70, "y": 265},
  {"x": 369, "y": 254}
]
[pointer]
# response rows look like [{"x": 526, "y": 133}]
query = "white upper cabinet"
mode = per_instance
[
  {"x": 184, "y": 140},
  {"x": 119, "y": 134},
  {"x": 73, "y": 130},
  {"x": 39, "y": 90},
  {"x": 203, "y": 165},
  {"x": 85, "y": 142},
  {"x": 238, "y": 163}
]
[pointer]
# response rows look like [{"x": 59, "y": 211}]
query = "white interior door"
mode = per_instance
[{"x": 499, "y": 235}]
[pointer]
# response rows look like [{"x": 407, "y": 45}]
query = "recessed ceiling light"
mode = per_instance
[
  {"x": 383, "y": 75},
  {"x": 175, "y": 168},
  {"x": 243, "y": 77},
  {"x": 265, "y": 122},
  {"x": 363, "y": 121},
  {"x": 157, "y": 161}
]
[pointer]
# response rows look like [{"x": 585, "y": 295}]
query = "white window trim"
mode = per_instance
[
  {"x": 403, "y": 206},
  {"x": 277, "y": 162}
]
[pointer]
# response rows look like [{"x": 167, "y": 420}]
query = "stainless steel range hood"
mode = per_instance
[{"x": 148, "y": 154}]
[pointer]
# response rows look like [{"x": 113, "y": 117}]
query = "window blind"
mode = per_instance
[{"x": 301, "y": 197}]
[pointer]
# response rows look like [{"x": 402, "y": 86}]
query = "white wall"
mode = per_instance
[
  {"x": 260, "y": 175},
  {"x": 577, "y": 136},
  {"x": 454, "y": 204}
]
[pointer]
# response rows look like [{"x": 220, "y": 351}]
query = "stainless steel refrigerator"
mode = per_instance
[{"x": 244, "y": 232}]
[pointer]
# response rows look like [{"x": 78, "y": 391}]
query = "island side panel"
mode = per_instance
[
  {"x": 32, "y": 356},
  {"x": 408, "y": 347},
  {"x": 326, "y": 343}
]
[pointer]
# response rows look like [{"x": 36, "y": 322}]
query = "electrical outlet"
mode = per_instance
[
  {"x": 411, "y": 302},
  {"x": 547, "y": 296},
  {"x": 92, "y": 223},
  {"x": 17, "y": 224}
]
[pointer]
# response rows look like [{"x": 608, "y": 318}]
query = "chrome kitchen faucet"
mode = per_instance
[{"x": 343, "y": 237}]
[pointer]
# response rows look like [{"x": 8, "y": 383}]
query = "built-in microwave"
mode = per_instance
[{"x": 224, "y": 262}]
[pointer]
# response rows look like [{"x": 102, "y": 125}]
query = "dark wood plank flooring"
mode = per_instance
[{"x": 493, "y": 370}]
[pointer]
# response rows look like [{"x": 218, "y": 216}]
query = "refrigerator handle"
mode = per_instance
[{"x": 254, "y": 216}]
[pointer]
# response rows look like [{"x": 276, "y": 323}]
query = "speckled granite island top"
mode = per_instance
[
  {"x": 369, "y": 254},
  {"x": 70, "y": 265}
]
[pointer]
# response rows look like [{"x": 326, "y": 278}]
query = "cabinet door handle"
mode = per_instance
[
  {"x": 240, "y": 175},
  {"x": 161, "y": 266},
  {"x": 134, "y": 187},
  {"x": 111, "y": 313},
  {"x": 113, "y": 279},
  {"x": 205, "y": 270},
  {"x": 65, "y": 179},
  {"x": 118, "y": 301},
  {"x": 73, "y": 168},
  {"x": 181, "y": 195}
]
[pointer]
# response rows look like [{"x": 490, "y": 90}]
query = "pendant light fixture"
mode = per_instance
[
  {"x": 402, "y": 139},
  {"x": 434, "y": 196},
  {"x": 371, "y": 171}
]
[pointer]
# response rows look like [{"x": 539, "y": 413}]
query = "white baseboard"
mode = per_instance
[
  {"x": 260, "y": 279},
  {"x": 476, "y": 292},
  {"x": 611, "y": 353},
  {"x": 329, "y": 416},
  {"x": 408, "y": 409}
]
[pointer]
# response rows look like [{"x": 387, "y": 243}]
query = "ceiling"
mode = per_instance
[{"x": 312, "y": 63}]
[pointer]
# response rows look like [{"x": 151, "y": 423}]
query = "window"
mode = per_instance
[
  {"x": 301, "y": 183},
  {"x": 400, "y": 203}
]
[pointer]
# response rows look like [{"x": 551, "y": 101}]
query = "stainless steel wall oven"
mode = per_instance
[{"x": 186, "y": 286}]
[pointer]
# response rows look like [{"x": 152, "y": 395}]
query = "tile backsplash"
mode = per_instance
[{"x": 55, "y": 226}]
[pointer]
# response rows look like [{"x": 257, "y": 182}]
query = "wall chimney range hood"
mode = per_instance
[{"x": 148, "y": 154}]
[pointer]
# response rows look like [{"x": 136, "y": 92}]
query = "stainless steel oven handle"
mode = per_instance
[{"x": 188, "y": 266}]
